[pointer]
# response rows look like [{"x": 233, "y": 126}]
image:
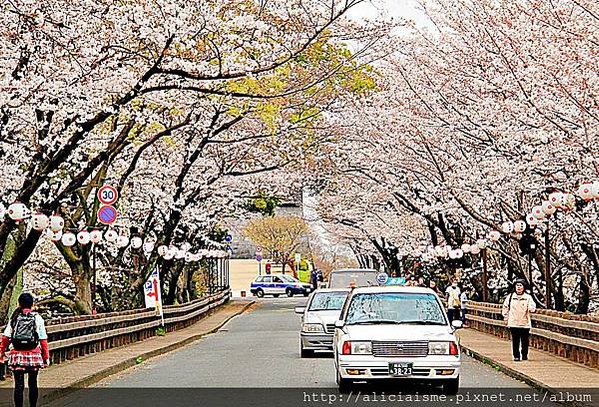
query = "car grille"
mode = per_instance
[
  {"x": 383, "y": 371},
  {"x": 397, "y": 348},
  {"x": 329, "y": 328}
]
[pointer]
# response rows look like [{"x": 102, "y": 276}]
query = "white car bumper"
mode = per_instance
[{"x": 362, "y": 367}]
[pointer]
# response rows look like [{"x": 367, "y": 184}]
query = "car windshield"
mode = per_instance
[
  {"x": 328, "y": 301},
  {"x": 395, "y": 308},
  {"x": 288, "y": 279},
  {"x": 339, "y": 279}
]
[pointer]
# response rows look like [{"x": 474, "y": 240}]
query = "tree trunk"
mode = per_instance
[
  {"x": 83, "y": 293},
  {"x": 5, "y": 301}
]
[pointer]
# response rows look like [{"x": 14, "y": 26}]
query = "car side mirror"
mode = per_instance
[
  {"x": 300, "y": 310},
  {"x": 457, "y": 324},
  {"x": 339, "y": 323}
]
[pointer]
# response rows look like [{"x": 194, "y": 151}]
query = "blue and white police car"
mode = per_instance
[{"x": 277, "y": 284}]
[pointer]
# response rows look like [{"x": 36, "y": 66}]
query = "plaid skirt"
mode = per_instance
[{"x": 25, "y": 359}]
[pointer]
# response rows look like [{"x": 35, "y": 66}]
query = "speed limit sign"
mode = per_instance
[{"x": 108, "y": 195}]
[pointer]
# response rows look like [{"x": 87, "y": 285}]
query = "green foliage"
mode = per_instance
[
  {"x": 161, "y": 331},
  {"x": 218, "y": 235},
  {"x": 138, "y": 360},
  {"x": 265, "y": 205}
]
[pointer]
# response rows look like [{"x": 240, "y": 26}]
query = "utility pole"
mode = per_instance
[{"x": 547, "y": 268}]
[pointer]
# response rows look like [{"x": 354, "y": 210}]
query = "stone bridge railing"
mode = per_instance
[
  {"x": 78, "y": 336},
  {"x": 575, "y": 337}
]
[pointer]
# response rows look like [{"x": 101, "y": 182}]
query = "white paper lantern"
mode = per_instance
[
  {"x": 39, "y": 221},
  {"x": 538, "y": 213},
  {"x": 466, "y": 248},
  {"x": 519, "y": 226},
  {"x": 162, "y": 250},
  {"x": 96, "y": 236},
  {"x": 494, "y": 235},
  {"x": 585, "y": 191},
  {"x": 18, "y": 211},
  {"x": 451, "y": 254},
  {"x": 68, "y": 239},
  {"x": 532, "y": 220},
  {"x": 459, "y": 253},
  {"x": 475, "y": 249},
  {"x": 122, "y": 241},
  {"x": 56, "y": 223},
  {"x": 83, "y": 237},
  {"x": 481, "y": 243},
  {"x": 188, "y": 257},
  {"x": 595, "y": 189},
  {"x": 111, "y": 236},
  {"x": 148, "y": 246},
  {"x": 548, "y": 208},
  {"x": 507, "y": 227},
  {"x": 568, "y": 201},
  {"x": 2, "y": 212},
  {"x": 54, "y": 236},
  {"x": 180, "y": 254},
  {"x": 136, "y": 242},
  {"x": 170, "y": 254},
  {"x": 556, "y": 199}
]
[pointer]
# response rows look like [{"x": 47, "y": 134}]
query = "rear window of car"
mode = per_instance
[
  {"x": 343, "y": 279},
  {"x": 328, "y": 301},
  {"x": 415, "y": 308}
]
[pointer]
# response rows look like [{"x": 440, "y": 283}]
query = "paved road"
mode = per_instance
[{"x": 260, "y": 349}]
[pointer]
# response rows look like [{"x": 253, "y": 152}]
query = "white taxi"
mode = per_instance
[{"x": 393, "y": 332}]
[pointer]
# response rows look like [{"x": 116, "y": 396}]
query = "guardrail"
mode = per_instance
[
  {"x": 73, "y": 337},
  {"x": 575, "y": 337}
]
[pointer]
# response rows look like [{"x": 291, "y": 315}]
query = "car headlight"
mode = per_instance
[
  {"x": 357, "y": 348},
  {"x": 438, "y": 348},
  {"x": 312, "y": 328}
]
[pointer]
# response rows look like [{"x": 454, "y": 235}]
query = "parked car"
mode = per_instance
[
  {"x": 345, "y": 278},
  {"x": 318, "y": 319},
  {"x": 393, "y": 332},
  {"x": 277, "y": 284}
]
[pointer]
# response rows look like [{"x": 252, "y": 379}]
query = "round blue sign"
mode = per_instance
[
  {"x": 229, "y": 238},
  {"x": 258, "y": 257},
  {"x": 382, "y": 278},
  {"x": 107, "y": 214}
]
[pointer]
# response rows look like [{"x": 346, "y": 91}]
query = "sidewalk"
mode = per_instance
[
  {"x": 56, "y": 380},
  {"x": 543, "y": 370}
]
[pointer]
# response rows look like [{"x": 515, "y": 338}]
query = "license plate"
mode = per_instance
[{"x": 400, "y": 369}]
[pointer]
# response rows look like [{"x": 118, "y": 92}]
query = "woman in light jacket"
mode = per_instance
[{"x": 517, "y": 308}]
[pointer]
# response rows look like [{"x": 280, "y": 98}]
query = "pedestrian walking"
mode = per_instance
[
  {"x": 453, "y": 301},
  {"x": 517, "y": 308},
  {"x": 314, "y": 279},
  {"x": 464, "y": 301},
  {"x": 26, "y": 335}
]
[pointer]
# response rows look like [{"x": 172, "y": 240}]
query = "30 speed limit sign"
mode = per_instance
[{"x": 108, "y": 195}]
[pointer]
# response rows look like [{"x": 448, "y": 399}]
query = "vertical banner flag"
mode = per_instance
[{"x": 153, "y": 295}]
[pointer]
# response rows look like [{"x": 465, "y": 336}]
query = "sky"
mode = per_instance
[{"x": 409, "y": 9}]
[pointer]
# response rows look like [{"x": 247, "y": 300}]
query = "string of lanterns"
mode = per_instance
[
  {"x": 53, "y": 227},
  {"x": 556, "y": 201}
]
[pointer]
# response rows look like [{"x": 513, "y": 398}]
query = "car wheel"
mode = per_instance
[
  {"x": 451, "y": 386},
  {"x": 276, "y": 295},
  {"x": 259, "y": 293},
  {"x": 344, "y": 385},
  {"x": 306, "y": 293},
  {"x": 289, "y": 292}
]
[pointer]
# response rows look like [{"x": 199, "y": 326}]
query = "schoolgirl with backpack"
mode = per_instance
[{"x": 25, "y": 335}]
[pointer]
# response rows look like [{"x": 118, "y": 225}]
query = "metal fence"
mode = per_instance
[
  {"x": 77, "y": 336},
  {"x": 575, "y": 337}
]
